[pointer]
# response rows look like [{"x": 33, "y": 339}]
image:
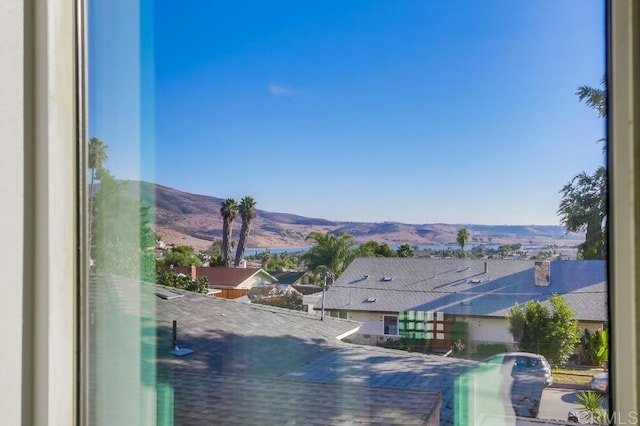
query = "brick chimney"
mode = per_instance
[
  {"x": 542, "y": 273},
  {"x": 194, "y": 274}
]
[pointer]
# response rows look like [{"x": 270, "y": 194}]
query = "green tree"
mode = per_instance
[
  {"x": 330, "y": 252},
  {"x": 375, "y": 249},
  {"x": 214, "y": 254},
  {"x": 279, "y": 262},
  {"x": 180, "y": 256},
  {"x": 584, "y": 208},
  {"x": 247, "y": 211},
  {"x": 229, "y": 212},
  {"x": 594, "y": 98},
  {"x": 123, "y": 239},
  {"x": 550, "y": 330},
  {"x": 478, "y": 252},
  {"x": 462, "y": 238},
  {"x": 368, "y": 249},
  {"x": 170, "y": 279},
  {"x": 584, "y": 199},
  {"x": 405, "y": 250},
  {"x": 215, "y": 249},
  {"x": 595, "y": 347},
  {"x": 96, "y": 158}
]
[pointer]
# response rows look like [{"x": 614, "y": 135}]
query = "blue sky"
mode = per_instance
[{"x": 411, "y": 111}]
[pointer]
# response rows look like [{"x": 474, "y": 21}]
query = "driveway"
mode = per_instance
[{"x": 557, "y": 402}]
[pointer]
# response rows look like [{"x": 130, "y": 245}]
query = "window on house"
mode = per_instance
[
  {"x": 391, "y": 325},
  {"x": 340, "y": 314}
]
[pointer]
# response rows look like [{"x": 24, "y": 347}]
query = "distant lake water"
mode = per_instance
[
  {"x": 468, "y": 247},
  {"x": 275, "y": 250},
  {"x": 278, "y": 250}
]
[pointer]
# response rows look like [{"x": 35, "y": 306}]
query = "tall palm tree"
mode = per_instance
[
  {"x": 97, "y": 156},
  {"x": 463, "y": 238},
  {"x": 247, "y": 213},
  {"x": 229, "y": 212},
  {"x": 331, "y": 253}
]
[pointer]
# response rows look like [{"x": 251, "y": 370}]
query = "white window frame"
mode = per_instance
[
  {"x": 39, "y": 174},
  {"x": 39, "y": 133},
  {"x": 624, "y": 174}
]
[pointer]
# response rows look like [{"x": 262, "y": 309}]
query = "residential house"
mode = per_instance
[
  {"x": 229, "y": 283},
  {"x": 301, "y": 281},
  {"x": 419, "y": 297}
]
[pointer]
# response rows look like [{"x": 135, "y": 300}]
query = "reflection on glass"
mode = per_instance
[{"x": 335, "y": 212}]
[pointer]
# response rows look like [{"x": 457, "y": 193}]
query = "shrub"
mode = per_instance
[
  {"x": 406, "y": 344},
  {"x": 169, "y": 279},
  {"x": 459, "y": 332},
  {"x": 595, "y": 347},
  {"x": 592, "y": 410},
  {"x": 549, "y": 329},
  {"x": 485, "y": 350}
]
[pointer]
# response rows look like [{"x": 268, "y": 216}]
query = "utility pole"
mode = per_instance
[{"x": 324, "y": 290}]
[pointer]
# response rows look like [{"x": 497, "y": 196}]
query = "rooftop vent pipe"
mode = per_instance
[{"x": 174, "y": 342}]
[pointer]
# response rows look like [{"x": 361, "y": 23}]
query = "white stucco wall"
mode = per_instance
[
  {"x": 256, "y": 281},
  {"x": 481, "y": 329},
  {"x": 372, "y": 323},
  {"x": 489, "y": 330},
  {"x": 496, "y": 330}
]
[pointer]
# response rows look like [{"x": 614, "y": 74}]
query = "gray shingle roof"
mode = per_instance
[
  {"x": 253, "y": 362},
  {"x": 462, "y": 286},
  {"x": 262, "y": 365},
  {"x": 288, "y": 277}
]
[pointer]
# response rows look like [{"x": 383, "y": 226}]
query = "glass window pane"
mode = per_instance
[{"x": 437, "y": 168}]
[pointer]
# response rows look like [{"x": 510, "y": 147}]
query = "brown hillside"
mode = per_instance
[{"x": 191, "y": 219}]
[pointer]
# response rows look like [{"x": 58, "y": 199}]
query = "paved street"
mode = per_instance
[{"x": 557, "y": 402}]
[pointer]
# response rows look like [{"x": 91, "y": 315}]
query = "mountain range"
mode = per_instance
[{"x": 190, "y": 219}]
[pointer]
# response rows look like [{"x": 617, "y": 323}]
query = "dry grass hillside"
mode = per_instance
[{"x": 191, "y": 219}]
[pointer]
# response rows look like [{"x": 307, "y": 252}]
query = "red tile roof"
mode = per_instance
[{"x": 219, "y": 276}]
